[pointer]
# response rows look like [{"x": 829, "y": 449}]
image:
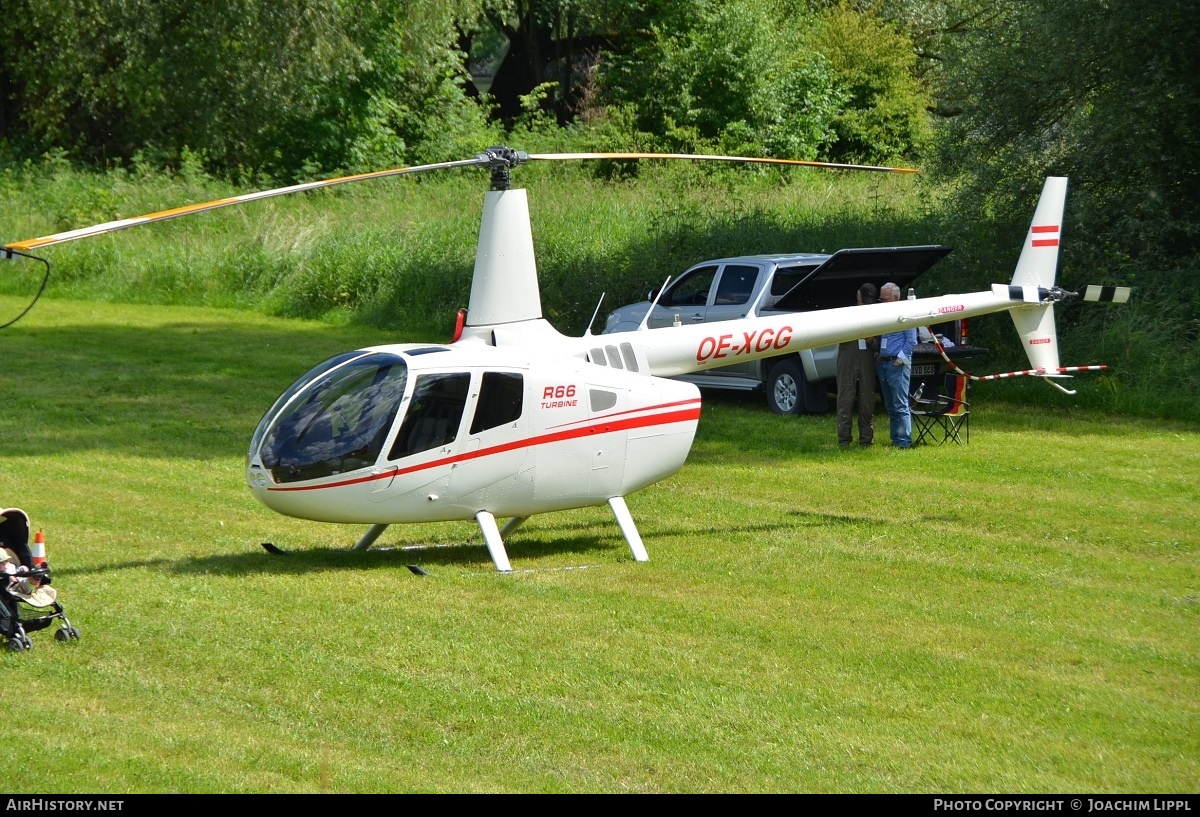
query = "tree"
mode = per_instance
[
  {"x": 735, "y": 75},
  {"x": 1103, "y": 91},
  {"x": 551, "y": 41},
  {"x": 287, "y": 86},
  {"x": 885, "y": 116}
]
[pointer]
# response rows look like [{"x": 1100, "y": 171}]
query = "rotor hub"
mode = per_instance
[{"x": 501, "y": 160}]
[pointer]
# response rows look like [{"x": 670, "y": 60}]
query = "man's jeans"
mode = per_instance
[{"x": 894, "y": 381}]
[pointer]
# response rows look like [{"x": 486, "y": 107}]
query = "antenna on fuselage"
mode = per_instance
[
  {"x": 653, "y": 303},
  {"x": 599, "y": 304}
]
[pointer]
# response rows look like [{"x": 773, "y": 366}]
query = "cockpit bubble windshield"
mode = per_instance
[
  {"x": 308, "y": 377},
  {"x": 337, "y": 421}
]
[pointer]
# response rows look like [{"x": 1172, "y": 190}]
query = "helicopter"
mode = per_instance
[{"x": 511, "y": 418}]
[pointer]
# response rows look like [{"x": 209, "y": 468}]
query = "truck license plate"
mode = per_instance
[{"x": 924, "y": 369}]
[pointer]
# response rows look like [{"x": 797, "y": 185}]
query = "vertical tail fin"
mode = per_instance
[
  {"x": 1038, "y": 263},
  {"x": 1037, "y": 268}
]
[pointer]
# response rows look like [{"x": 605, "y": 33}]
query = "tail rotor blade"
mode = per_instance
[{"x": 1116, "y": 295}]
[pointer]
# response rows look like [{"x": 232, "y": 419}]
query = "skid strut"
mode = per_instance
[{"x": 368, "y": 538}]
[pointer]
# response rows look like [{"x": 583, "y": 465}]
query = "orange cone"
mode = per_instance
[{"x": 38, "y": 552}]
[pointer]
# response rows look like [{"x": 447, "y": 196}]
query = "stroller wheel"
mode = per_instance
[
  {"x": 66, "y": 634},
  {"x": 18, "y": 644}
]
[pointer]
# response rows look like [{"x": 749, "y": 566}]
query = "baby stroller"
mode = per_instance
[{"x": 27, "y": 601}]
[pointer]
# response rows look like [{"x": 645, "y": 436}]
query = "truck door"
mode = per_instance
[
  {"x": 687, "y": 298},
  {"x": 731, "y": 300}
]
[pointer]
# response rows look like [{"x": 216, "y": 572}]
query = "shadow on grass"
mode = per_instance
[
  {"x": 471, "y": 554},
  {"x": 196, "y": 389},
  {"x": 579, "y": 539},
  {"x": 737, "y": 425}
]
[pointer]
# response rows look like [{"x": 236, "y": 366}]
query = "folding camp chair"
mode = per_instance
[{"x": 945, "y": 416}]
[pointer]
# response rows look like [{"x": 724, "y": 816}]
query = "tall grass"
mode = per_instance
[
  {"x": 403, "y": 249},
  {"x": 398, "y": 253},
  {"x": 1018, "y": 615}
]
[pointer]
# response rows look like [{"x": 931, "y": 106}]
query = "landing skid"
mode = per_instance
[{"x": 494, "y": 536}]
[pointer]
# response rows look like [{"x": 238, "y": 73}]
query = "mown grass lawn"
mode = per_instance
[{"x": 1018, "y": 615}]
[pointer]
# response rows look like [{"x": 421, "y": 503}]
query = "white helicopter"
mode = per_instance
[{"x": 512, "y": 418}]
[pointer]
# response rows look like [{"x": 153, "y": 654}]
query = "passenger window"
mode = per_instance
[
  {"x": 630, "y": 358},
  {"x": 433, "y": 414},
  {"x": 737, "y": 282},
  {"x": 601, "y": 400},
  {"x": 692, "y": 289},
  {"x": 500, "y": 399}
]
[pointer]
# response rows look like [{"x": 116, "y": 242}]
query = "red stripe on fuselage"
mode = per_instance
[
  {"x": 599, "y": 427},
  {"x": 605, "y": 417}
]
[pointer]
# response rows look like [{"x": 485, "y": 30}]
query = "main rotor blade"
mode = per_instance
[
  {"x": 176, "y": 212},
  {"x": 500, "y": 159},
  {"x": 702, "y": 157}
]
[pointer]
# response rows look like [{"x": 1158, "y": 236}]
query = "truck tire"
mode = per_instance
[
  {"x": 786, "y": 387},
  {"x": 789, "y": 392}
]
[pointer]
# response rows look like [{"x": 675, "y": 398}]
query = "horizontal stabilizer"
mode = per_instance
[{"x": 1116, "y": 295}]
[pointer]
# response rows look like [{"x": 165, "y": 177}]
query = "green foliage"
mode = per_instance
[
  {"x": 287, "y": 86},
  {"x": 398, "y": 253},
  {"x": 885, "y": 114},
  {"x": 1103, "y": 92},
  {"x": 731, "y": 77},
  {"x": 296, "y": 89}
]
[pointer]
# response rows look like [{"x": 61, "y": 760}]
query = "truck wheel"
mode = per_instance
[{"x": 785, "y": 388}]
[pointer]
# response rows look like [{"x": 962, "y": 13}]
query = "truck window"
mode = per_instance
[
  {"x": 692, "y": 289},
  {"x": 737, "y": 282}
]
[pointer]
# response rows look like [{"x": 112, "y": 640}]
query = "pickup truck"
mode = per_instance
[{"x": 760, "y": 285}]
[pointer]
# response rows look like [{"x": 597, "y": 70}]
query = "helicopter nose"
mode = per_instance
[{"x": 255, "y": 478}]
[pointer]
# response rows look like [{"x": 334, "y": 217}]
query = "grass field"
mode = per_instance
[{"x": 1019, "y": 615}]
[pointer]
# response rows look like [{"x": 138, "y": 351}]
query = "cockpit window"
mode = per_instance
[
  {"x": 308, "y": 377},
  {"x": 433, "y": 414},
  {"x": 338, "y": 421}
]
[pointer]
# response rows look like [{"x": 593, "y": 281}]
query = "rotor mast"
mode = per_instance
[{"x": 504, "y": 288}]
